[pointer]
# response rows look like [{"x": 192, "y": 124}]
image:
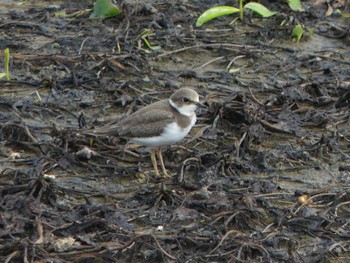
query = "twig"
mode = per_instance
[
  {"x": 161, "y": 249},
  {"x": 203, "y": 46},
  {"x": 223, "y": 238},
  {"x": 210, "y": 61}
]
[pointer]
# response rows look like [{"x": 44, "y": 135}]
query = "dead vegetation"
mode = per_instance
[{"x": 263, "y": 178}]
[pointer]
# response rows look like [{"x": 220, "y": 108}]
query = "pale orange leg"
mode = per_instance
[
  {"x": 160, "y": 157},
  {"x": 154, "y": 162}
]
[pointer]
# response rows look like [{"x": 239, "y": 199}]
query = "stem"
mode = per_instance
[
  {"x": 7, "y": 63},
  {"x": 241, "y": 9}
]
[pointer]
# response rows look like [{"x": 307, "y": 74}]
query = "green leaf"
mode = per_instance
[
  {"x": 297, "y": 32},
  {"x": 260, "y": 9},
  {"x": 215, "y": 12},
  {"x": 2, "y": 75},
  {"x": 310, "y": 32},
  {"x": 295, "y": 5},
  {"x": 234, "y": 70},
  {"x": 61, "y": 14},
  {"x": 104, "y": 8}
]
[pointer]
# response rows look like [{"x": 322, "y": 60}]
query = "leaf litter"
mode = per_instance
[{"x": 264, "y": 176}]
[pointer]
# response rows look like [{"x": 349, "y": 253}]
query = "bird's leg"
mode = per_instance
[
  {"x": 160, "y": 157},
  {"x": 154, "y": 162}
]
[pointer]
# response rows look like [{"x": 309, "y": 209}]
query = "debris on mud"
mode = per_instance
[{"x": 264, "y": 176}]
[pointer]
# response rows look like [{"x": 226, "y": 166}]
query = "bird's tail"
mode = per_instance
[{"x": 107, "y": 130}]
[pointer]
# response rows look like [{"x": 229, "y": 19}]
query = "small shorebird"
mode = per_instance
[{"x": 159, "y": 124}]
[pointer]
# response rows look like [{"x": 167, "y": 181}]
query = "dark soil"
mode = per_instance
[{"x": 264, "y": 176}]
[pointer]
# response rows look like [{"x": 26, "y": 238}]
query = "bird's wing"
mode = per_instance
[{"x": 146, "y": 122}]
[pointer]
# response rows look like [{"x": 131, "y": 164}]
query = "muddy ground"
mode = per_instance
[{"x": 263, "y": 177}]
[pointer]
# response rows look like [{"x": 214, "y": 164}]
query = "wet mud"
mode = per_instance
[{"x": 264, "y": 176}]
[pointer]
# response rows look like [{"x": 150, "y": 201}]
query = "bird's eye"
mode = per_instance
[{"x": 186, "y": 100}]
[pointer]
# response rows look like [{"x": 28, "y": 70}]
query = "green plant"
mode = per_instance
[
  {"x": 218, "y": 11},
  {"x": 104, "y": 8},
  {"x": 295, "y": 5},
  {"x": 7, "y": 65},
  {"x": 297, "y": 32},
  {"x": 144, "y": 37}
]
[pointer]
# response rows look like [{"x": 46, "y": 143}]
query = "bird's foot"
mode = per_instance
[{"x": 164, "y": 174}]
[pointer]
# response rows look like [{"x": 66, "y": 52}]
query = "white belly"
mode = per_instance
[{"x": 171, "y": 135}]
